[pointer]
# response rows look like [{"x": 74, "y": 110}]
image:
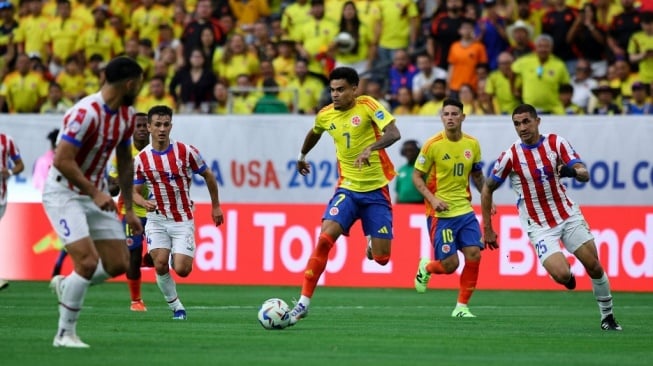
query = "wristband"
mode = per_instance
[
  {"x": 566, "y": 171},
  {"x": 301, "y": 157}
]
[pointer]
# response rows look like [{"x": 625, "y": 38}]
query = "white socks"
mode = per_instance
[
  {"x": 601, "y": 289},
  {"x": 306, "y": 301},
  {"x": 169, "y": 289},
  {"x": 100, "y": 275},
  {"x": 72, "y": 299}
]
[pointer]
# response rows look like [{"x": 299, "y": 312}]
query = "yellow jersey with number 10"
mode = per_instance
[{"x": 352, "y": 131}]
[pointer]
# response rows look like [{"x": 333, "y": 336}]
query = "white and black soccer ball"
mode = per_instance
[
  {"x": 345, "y": 42},
  {"x": 274, "y": 314}
]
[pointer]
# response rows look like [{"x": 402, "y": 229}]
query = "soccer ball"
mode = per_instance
[
  {"x": 274, "y": 314},
  {"x": 345, "y": 42}
]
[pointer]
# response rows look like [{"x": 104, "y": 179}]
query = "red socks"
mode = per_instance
[
  {"x": 468, "y": 280},
  {"x": 316, "y": 264}
]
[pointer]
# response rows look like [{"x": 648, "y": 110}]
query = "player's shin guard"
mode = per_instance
[
  {"x": 468, "y": 280},
  {"x": 316, "y": 264}
]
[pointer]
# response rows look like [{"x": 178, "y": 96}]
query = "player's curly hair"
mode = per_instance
[{"x": 346, "y": 73}]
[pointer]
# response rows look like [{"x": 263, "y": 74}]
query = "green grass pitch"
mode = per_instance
[{"x": 345, "y": 327}]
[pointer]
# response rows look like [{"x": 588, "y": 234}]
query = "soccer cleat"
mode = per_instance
[
  {"x": 69, "y": 341},
  {"x": 3, "y": 284},
  {"x": 368, "y": 250},
  {"x": 571, "y": 284},
  {"x": 138, "y": 305},
  {"x": 56, "y": 285},
  {"x": 610, "y": 323},
  {"x": 422, "y": 277},
  {"x": 179, "y": 314},
  {"x": 462, "y": 312},
  {"x": 298, "y": 312}
]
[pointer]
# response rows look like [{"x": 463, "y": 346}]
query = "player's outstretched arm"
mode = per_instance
[
  {"x": 310, "y": 141},
  {"x": 489, "y": 235},
  {"x": 420, "y": 185},
  {"x": 212, "y": 185}
]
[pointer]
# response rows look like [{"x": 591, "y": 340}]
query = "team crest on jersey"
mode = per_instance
[
  {"x": 552, "y": 156},
  {"x": 446, "y": 248},
  {"x": 379, "y": 114},
  {"x": 468, "y": 154},
  {"x": 333, "y": 211},
  {"x": 355, "y": 120},
  {"x": 74, "y": 126}
]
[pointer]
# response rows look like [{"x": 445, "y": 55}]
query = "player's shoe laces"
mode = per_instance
[
  {"x": 56, "y": 285},
  {"x": 179, "y": 314},
  {"x": 69, "y": 341},
  {"x": 423, "y": 276},
  {"x": 298, "y": 312},
  {"x": 610, "y": 323},
  {"x": 462, "y": 312},
  {"x": 368, "y": 250},
  {"x": 138, "y": 305},
  {"x": 3, "y": 284},
  {"x": 571, "y": 284}
]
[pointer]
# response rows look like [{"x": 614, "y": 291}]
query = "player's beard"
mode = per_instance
[{"x": 128, "y": 99}]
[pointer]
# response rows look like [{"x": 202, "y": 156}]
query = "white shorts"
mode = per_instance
[
  {"x": 74, "y": 216},
  {"x": 164, "y": 233},
  {"x": 573, "y": 232}
]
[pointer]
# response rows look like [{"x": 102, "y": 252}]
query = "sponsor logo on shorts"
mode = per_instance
[
  {"x": 130, "y": 242},
  {"x": 446, "y": 248},
  {"x": 333, "y": 211}
]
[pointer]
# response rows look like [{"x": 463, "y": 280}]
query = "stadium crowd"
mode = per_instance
[{"x": 272, "y": 56}]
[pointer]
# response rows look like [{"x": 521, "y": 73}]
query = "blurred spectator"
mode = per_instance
[
  {"x": 309, "y": 89},
  {"x": 235, "y": 59},
  {"x": 71, "y": 80},
  {"x": 61, "y": 36},
  {"x": 438, "y": 92},
  {"x": 405, "y": 103},
  {"x": 99, "y": 39},
  {"x": 23, "y": 90},
  {"x": 464, "y": 55},
  {"x": 93, "y": 74},
  {"x": 624, "y": 78},
  {"x": 146, "y": 19},
  {"x": 361, "y": 56},
  {"x": 423, "y": 80},
  {"x": 221, "y": 8},
  {"x": 44, "y": 162},
  {"x": 294, "y": 17},
  {"x": 270, "y": 103},
  {"x": 369, "y": 13},
  {"x": 588, "y": 38},
  {"x": 606, "y": 10},
  {"x": 444, "y": 31},
  {"x": 7, "y": 28},
  {"x": 284, "y": 63},
  {"x": 605, "y": 100},
  {"x": 640, "y": 48},
  {"x": 491, "y": 30},
  {"x": 156, "y": 95},
  {"x": 557, "y": 23},
  {"x": 267, "y": 72},
  {"x": 540, "y": 75},
  {"x": 566, "y": 92},
  {"x": 401, "y": 74},
  {"x": 167, "y": 39},
  {"x": 624, "y": 25},
  {"x": 244, "y": 98},
  {"x": 374, "y": 89},
  {"x": 191, "y": 37},
  {"x": 247, "y": 12},
  {"x": 192, "y": 86},
  {"x": 208, "y": 46},
  {"x": 220, "y": 103},
  {"x": 314, "y": 39},
  {"x": 582, "y": 84},
  {"x": 530, "y": 15},
  {"x": 471, "y": 104},
  {"x": 640, "y": 102},
  {"x": 55, "y": 103},
  {"x": 260, "y": 39},
  {"x": 404, "y": 187},
  {"x": 521, "y": 35},
  {"x": 30, "y": 36},
  {"x": 399, "y": 28}
]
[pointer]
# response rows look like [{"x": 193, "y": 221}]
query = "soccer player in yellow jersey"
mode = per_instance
[
  {"x": 361, "y": 129},
  {"x": 140, "y": 139},
  {"x": 441, "y": 175}
]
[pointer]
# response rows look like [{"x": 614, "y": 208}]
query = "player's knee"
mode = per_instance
[
  {"x": 183, "y": 271},
  {"x": 382, "y": 259}
]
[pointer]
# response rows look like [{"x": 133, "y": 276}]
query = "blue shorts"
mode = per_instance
[
  {"x": 449, "y": 235},
  {"x": 133, "y": 241},
  {"x": 373, "y": 208}
]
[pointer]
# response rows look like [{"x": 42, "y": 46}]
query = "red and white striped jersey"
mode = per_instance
[
  {"x": 96, "y": 130},
  {"x": 168, "y": 175},
  {"x": 541, "y": 197},
  {"x": 8, "y": 150}
]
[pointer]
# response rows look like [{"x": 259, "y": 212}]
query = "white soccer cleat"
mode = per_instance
[
  {"x": 69, "y": 341},
  {"x": 3, "y": 284},
  {"x": 298, "y": 312},
  {"x": 56, "y": 285}
]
